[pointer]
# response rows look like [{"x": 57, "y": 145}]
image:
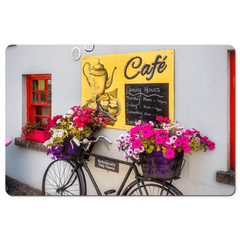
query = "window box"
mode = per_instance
[{"x": 40, "y": 135}]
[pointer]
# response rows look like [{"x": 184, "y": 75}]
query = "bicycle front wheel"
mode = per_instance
[
  {"x": 154, "y": 189},
  {"x": 60, "y": 179}
]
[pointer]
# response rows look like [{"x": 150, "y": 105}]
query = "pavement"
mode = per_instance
[{"x": 17, "y": 188}]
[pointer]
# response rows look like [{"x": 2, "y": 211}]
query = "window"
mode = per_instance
[
  {"x": 232, "y": 110},
  {"x": 39, "y": 98}
]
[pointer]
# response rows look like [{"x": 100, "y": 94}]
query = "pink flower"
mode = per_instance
[
  {"x": 168, "y": 145},
  {"x": 188, "y": 132},
  {"x": 166, "y": 120},
  {"x": 81, "y": 124},
  {"x": 204, "y": 139},
  {"x": 137, "y": 143},
  {"x": 186, "y": 148},
  {"x": 163, "y": 119},
  {"x": 196, "y": 131},
  {"x": 134, "y": 130},
  {"x": 165, "y": 138},
  {"x": 211, "y": 145},
  {"x": 159, "y": 140},
  {"x": 185, "y": 139},
  {"x": 178, "y": 143},
  {"x": 147, "y": 132},
  {"x": 160, "y": 119},
  {"x": 169, "y": 153}
]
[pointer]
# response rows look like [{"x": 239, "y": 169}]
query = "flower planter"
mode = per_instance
[
  {"x": 40, "y": 135},
  {"x": 155, "y": 165},
  {"x": 71, "y": 148}
]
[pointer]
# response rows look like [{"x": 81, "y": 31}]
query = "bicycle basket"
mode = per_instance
[
  {"x": 71, "y": 149},
  {"x": 156, "y": 166}
]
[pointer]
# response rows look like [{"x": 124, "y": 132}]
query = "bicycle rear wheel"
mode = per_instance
[
  {"x": 57, "y": 179},
  {"x": 153, "y": 188}
]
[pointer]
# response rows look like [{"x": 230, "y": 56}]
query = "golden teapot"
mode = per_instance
[{"x": 98, "y": 79}]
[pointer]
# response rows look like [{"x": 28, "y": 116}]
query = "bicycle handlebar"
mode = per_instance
[{"x": 87, "y": 142}]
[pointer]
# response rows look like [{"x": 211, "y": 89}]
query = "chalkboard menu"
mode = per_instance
[{"x": 146, "y": 101}]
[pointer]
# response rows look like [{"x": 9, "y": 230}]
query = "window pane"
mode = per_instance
[
  {"x": 41, "y": 85},
  {"x": 38, "y": 110},
  {"x": 38, "y": 119},
  {"x": 45, "y": 120},
  {"x": 49, "y": 85},
  {"x": 35, "y": 85},
  {"x": 34, "y": 97},
  {"x": 43, "y": 97},
  {"x": 49, "y": 98},
  {"x": 46, "y": 111}
]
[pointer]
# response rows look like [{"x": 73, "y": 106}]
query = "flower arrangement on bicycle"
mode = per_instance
[
  {"x": 160, "y": 146},
  {"x": 163, "y": 135},
  {"x": 78, "y": 124}
]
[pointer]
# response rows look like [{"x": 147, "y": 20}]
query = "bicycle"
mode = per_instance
[{"x": 66, "y": 177}]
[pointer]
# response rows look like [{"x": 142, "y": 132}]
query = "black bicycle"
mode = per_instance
[{"x": 66, "y": 177}]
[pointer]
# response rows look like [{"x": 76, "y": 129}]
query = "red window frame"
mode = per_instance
[
  {"x": 32, "y": 115},
  {"x": 232, "y": 110}
]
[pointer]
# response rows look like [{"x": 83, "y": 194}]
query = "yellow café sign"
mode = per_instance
[{"x": 130, "y": 86}]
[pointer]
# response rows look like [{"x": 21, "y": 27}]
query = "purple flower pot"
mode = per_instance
[{"x": 155, "y": 165}]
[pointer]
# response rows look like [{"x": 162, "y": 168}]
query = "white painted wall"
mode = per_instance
[{"x": 201, "y": 74}]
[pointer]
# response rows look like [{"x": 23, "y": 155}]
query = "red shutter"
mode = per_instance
[{"x": 232, "y": 110}]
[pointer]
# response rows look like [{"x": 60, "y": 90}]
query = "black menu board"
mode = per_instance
[{"x": 146, "y": 101}]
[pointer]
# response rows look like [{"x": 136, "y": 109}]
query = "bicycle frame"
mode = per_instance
[
  {"x": 132, "y": 166},
  {"x": 80, "y": 162}
]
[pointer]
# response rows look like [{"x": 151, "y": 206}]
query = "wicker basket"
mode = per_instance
[{"x": 156, "y": 166}]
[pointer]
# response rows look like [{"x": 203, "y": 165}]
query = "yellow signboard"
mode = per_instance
[{"x": 130, "y": 86}]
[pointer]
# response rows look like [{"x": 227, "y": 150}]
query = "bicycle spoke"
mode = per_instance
[
  {"x": 58, "y": 174},
  {"x": 154, "y": 189}
]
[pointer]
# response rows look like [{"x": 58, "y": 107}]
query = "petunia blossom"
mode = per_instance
[
  {"x": 137, "y": 143},
  {"x": 178, "y": 143},
  {"x": 169, "y": 153}
]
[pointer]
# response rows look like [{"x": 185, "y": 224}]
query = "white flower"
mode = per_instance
[
  {"x": 172, "y": 139},
  {"x": 151, "y": 123},
  {"x": 58, "y": 121},
  {"x": 141, "y": 149},
  {"x": 137, "y": 122},
  {"x": 70, "y": 112},
  {"x": 122, "y": 137},
  {"x": 50, "y": 141},
  {"x": 179, "y": 133}
]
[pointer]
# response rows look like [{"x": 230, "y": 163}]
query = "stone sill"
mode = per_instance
[
  {"x": 226, "y": 177},
  {"x": 30, "y": 144}
]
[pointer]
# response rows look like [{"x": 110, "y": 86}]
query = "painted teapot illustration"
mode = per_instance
[{"x": 98, "y": 81}]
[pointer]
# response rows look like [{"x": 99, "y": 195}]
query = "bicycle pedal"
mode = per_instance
[{"x": 110, "y": 191}]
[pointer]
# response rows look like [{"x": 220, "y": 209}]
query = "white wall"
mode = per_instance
[{"x": 200, "y": 102}]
